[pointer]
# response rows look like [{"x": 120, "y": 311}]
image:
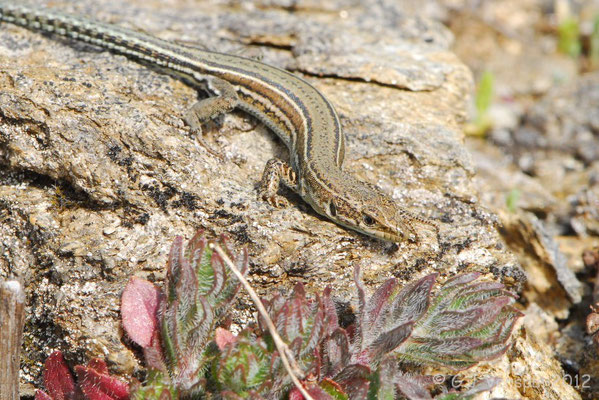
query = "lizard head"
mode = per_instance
[{"x": 366, "y": 209}]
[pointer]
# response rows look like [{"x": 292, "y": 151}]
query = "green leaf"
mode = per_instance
[
  {"x": 484, "y": 93},
  {"x": 569, "y": 37},
  {"x": 158, "y": 386},
  {"x": 482, "y": 101},
  {"x": 467, "y": 322},
  {"x": 244, "y": 365},
  {"x": 382, "y": 382},
  {"x": 333, "y": 389},
  {"x": 199, "y": 290},
  {"x": 512, "y": 198}
]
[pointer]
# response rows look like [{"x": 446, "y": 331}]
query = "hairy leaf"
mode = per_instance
[
  {"x": 467, "y": 322},
  {"x": 40, "y": 395},
  {"x": 244, "y": 365},
  {"x": 336, "y": 354},
  {"x": 93, "y": 381},
  {"x": 382, "y": 381},
  {"x": 388, "y": 341},
  {"x": 58, "y": 379},
  {"x": 158, "y": 386},
  {"x": 461, "y": 323},
  {"x": 139, "y": 306},
  {"x": 97, "y": 384},
  {"x": 199, "y": 289},
  {"x": 413, "y": 300},
  {"x": 411, "y": 388}
]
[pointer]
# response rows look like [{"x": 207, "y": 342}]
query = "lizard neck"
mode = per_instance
[{"x": 322, "y": 180}]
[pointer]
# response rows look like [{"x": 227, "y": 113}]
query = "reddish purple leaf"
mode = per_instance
[
  {"x": 176, "y": 255},
  {"x": 295, "y": 394},
  {"x": 185, "y": 282},
  {"x": 331, "y": 318},
  {"x": 139, "y": 304},
  {"x": 336, "y": 353},
  {"x": 460, "y": 280},
  {"x": 490, "y": 310},
  {"x": 165, "y": 395},
  {"x": 358, "y": 388},
  {"x": 313, "y": 390},
  {"x": 98, "y": 365},
  {"x": 510, "y": 316},
  {"x": 98, "y": 386},
  {"x": 39, "y": 395},
  {"x": 195, "y": 247},
  {"x": 351, "y": 372},
  {"x": 223, "y": 338},
  {"x": 377, "y": 306},
  {"x": 360, "y": 287},
  {"x": 388, "y": 341},
  {"x": 411, "y": 388},
  {"x": 153, "y": 353},
  {"x": 483, "y": 290},
  {"x": 317, "y": 331},
  {"x": 58, "y": 379},
  {"x": 413, "y": 300}
]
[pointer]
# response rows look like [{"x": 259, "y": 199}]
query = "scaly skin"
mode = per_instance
[{"x": 298, "y": 113}]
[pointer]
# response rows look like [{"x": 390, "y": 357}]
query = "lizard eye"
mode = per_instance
[
  {"x": 368, "y": 220},
  {"x": 332, "y": 209}
]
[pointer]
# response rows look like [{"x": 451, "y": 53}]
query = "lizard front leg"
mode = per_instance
[
  {"x": 276, "y": 172},
  {"x": 407, "y": 222},
  {"x": 224, "y": 101}
]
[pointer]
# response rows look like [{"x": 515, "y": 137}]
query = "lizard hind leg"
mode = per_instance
[{"x": 276, "y": 172}]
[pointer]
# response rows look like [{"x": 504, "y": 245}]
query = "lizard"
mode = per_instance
[{"x": 287, "y": 104}]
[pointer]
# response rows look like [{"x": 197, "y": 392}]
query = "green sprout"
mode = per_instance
[
  {"x": 511, "y": 200},
  {"x": 569, "y": 37},
  {"x": 484, "y": 97}
]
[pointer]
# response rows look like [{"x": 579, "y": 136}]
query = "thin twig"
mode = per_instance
[{"x": 286, "y": 356}]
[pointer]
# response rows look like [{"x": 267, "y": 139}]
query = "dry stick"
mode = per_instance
[
  {"x": 12, "y": 319},
  {"x": 286, "y": 356}
]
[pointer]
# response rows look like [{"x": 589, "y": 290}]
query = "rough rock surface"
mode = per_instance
[
  {"x": 98, "y": 172},
  {"x": 538, "y": 168},
  {"x": 558, "y": 144}
]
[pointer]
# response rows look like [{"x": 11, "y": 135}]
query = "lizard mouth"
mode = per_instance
[{"x": 392, "y": 237}]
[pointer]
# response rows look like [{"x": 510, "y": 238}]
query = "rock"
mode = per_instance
[
  {"x": 544, "y": 249},
  {"x": 99, "y": 173},
  {"x": 535, "y": 374},
  {"x": 560, "y": 143},
  {"x": 537, "y": 169}
]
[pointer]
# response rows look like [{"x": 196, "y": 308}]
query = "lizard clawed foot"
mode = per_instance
[
  {"x": 200, "y": 139},
  {"x": 276, "y": 172},
  {"x": 275, "y": 200},
  {"x": 408, "y": 222}
]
